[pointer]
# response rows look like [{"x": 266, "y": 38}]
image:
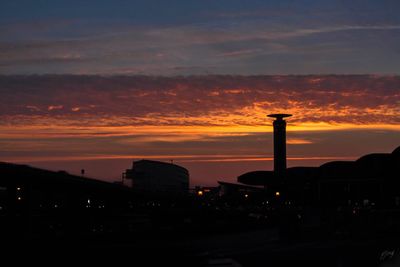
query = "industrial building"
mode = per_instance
[{"x": 156, "y": 177}]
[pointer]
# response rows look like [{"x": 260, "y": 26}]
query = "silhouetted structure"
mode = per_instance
[
  {"x": 371, "y": 180},
  {"x": 279, "y": 143},
  {"x": 156, "y": 177},
  {"x": 36, "y": 202}
]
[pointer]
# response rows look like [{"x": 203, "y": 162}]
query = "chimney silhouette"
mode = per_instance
[{"x": 279, "y": 143}]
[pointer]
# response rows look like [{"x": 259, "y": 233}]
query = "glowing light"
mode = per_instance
[
  {"x": 277, "y": 193},
  {"x": 200, "y": 193},
  {"x": 298, "y": 142},
  {"x": 18, "y": 188},
  {"x": 246, "y": 195},
  {"x": 19, "y": 198}
]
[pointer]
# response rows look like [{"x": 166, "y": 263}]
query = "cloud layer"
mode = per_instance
[
  {"x": 208, "y": 123},
  {"x": 198, "y": 100},
  {"x": 214, "y": 38}
]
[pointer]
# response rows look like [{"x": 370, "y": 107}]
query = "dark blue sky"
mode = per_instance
[{"x": 199, "y": 37}]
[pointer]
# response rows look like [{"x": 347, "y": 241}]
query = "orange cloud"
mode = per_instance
[
  {"x": 298, "y": 141},
  {"x": 195, "y": 106},
  {"x": 195, "y": 119},
  {"x": 50, "y": 108}
]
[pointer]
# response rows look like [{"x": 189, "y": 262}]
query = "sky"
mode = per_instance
[{"x": 98, "y": 84}]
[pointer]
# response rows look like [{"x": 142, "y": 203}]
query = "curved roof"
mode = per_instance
[
  {"x": 335, "y": 165},
  {"x": 256, "y": 177},
  {"x": 373, "y": 158},
  {"x": 268, "y": 177},
  {"x": 371, "y": 166},
  {"x": 161, "y": 164}
]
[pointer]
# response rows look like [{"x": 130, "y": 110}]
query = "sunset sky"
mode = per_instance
[{"x": 97, "y": 84}]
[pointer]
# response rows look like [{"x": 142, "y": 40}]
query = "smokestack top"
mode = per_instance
[{"x": 279, "y": 116}]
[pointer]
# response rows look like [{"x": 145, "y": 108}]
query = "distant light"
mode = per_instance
[
  {"x": 200, "y": 193},
  {"x": 246, "y": 195},
  {"x": 88, "y": 201},
  {"x": 19, "y": 198},
  {"x": 277, "y": 193},
  {"x": 55, "y": 206},
  {"x": 18, "y": 188}
]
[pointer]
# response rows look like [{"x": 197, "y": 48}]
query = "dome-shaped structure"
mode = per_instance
[
  {"x": 338, "y": 169},
  {"x": 396, "y": 151},
  {"x": 374, "y": 157}
]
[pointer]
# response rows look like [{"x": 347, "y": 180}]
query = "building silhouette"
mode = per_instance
[
  {"x": 279, "y": 143},
  {"x": 157, "y": 177},
  {"x": 42, "y": 203},
  {"x": 372, "y": 179},
  {"x": 34, "y": 201}
]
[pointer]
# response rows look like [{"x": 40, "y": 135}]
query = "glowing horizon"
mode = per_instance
[{"x": 206, "y": 123}]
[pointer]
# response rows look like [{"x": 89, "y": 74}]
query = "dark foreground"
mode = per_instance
[{"x": 263, "y": 247}]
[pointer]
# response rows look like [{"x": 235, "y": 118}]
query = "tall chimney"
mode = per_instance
[{"x": 279, "y": 143}]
